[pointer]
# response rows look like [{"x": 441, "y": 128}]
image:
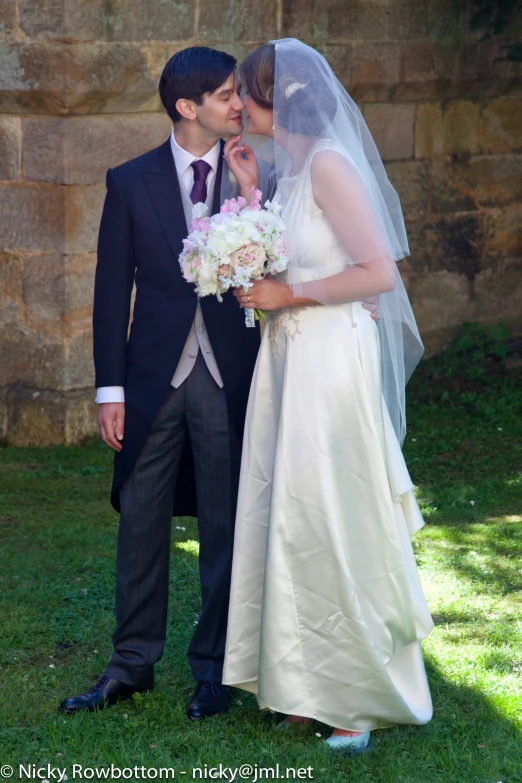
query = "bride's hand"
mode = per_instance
[
  {"x": 244, "y": 168},
  {"x": 267, "y": 294}
]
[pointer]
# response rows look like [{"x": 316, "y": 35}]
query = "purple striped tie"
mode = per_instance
[{"x": 199, "y": 189}]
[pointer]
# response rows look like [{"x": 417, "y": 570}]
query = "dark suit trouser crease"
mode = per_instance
[{"x": 198, "y": 410}]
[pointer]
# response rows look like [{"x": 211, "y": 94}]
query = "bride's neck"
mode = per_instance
[{"x": 298, "y": 147}]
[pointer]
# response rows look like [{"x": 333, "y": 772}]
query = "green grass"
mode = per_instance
[{"x": 57, "y": 562}]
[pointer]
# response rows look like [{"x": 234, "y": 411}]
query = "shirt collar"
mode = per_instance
[{"x": 184, "y": 159}]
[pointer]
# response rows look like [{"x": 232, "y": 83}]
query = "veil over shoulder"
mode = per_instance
[{"x": 318, "y": 126}]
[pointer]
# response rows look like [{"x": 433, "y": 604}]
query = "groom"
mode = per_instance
[{"x": 172, "y": 398}]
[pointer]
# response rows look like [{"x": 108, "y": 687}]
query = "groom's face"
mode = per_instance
[{"x": 221, "y": 111}]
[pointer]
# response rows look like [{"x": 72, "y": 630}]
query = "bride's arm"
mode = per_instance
[
  {"x": 341, "y": 195},
  {"x": 243, "y": 165},
  {"x": 339, "y": 192}
]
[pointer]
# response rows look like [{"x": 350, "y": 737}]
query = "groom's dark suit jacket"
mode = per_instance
[{"x": 141, "y": 233}]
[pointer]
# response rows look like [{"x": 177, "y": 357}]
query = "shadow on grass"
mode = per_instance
[{"x": 487, "y": 555}]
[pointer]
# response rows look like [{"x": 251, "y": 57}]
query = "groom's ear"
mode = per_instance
[{"x": 186, "y": 108}]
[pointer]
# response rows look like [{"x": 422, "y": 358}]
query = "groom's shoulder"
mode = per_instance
[{"x": 145, "y": 162}]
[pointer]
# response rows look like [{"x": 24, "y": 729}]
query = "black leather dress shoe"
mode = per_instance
[
  {"x": 209, "y": 698},
  {"x": 104, "y": 693}
]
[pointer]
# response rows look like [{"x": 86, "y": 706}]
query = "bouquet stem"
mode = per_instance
[{"x": 251, "y": 316}]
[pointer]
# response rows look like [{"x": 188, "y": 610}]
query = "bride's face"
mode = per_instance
[{"x": 259, "y": 119}]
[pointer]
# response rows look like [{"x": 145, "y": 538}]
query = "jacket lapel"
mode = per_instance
[
  {"x": 216, "y": 203},
  {"x": 161, "y": 180}
]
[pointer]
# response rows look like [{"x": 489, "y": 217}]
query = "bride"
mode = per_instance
[{"x": 326, "y": 610}]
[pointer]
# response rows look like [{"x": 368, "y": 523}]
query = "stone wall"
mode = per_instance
[{"x": 78, "y": 93}]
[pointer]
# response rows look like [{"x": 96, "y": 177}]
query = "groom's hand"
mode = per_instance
[
  {"x": 372, "y": 304},
  {"x": 111, "y": 421}
]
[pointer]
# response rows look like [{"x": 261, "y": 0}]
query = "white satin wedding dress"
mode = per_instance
[{"x": 326, "y": 609}]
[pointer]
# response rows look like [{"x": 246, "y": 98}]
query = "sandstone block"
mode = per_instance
[
  {"x": 483, "y": 63},
  {"x": 406, "y": 21},
  {"x": 79, "y": 291},
  {"x": 391, "y": 125},
  {"x": 30, "y": 358},
  {"x": 80, "y": 417},
  {"x": 10, "y": 147},
  {"x": 498, "y": 179},
  {"x": 42, "y": 19},
  {"x": 440, "y": 300},
  {"x": 498, "y": 293},
  {"x": 32, "y": 216},
  {"x": 83, "y": 208},
  {"x": 428, "y": 71},
  {"x": 500, "y": 129},
  {"x": 116, "y": 20},
  {"x": 126, "y": 20},
  {"x": 35, "y": 424},
  {"x": 411, "y": 181},
  {"x": 451, "y": 192},
  {"x": 238, "y": 20},
  {"x": 341, "y": 59},
  {"x": 11, "y": 290},
  {"x": 45, "y": 320},
  {"x": 482, "y": 181},
  {"x": 503, "y": 231},
  {"x": 8, "y": 18},
  {"x": 452, "y": 242},
  {"x": 32, "y": 77},
  {"x": 355, "y": 21},
  {"x": 109, "y": 78},
  {"x": 156, "y": 55},
  {"x": 428, "y": 62},
  {"x": 78, "y": 370},
  {"x": 461, "y": 127},
  {"x": 298, "y": 19},
  {"x": 79, "y": 150},
  {"x": 44, "y": 295},
  {"x": 376, "y": 70},
  {"x": 35, "y": 418},
  {"x": 429, "y": 130},
  {"x": 426, "y": 253},
  {"x": 43, "y": 149},
  {"x": 463, "y": 243},
  {"x": 449, "y": 131}
]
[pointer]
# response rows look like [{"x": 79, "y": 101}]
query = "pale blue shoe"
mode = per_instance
[{"x": 358, "y": 743}]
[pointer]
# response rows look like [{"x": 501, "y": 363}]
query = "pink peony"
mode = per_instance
[
  {"x": 249, "y": 256},
  {"x": 225, "y": 271}
]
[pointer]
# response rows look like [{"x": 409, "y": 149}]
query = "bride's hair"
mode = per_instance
[
  {"x": 258, "y": 73},
  {"x": 307, "y": 108}
]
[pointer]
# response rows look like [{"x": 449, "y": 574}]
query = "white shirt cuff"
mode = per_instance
[{"x": 110, "y": 394}]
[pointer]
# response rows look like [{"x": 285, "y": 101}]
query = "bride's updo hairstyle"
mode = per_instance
[
  {"x": 304, "y": 108},
  {"x": 257, "y": 74}
]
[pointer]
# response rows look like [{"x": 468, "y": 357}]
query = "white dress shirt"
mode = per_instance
[{"x": 198, "y": 338}]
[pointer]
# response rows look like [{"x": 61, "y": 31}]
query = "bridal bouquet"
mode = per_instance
[{"x": 231, "y": 249}]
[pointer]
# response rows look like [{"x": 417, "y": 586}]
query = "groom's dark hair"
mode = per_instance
[{"x": 191, "y": 74}]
